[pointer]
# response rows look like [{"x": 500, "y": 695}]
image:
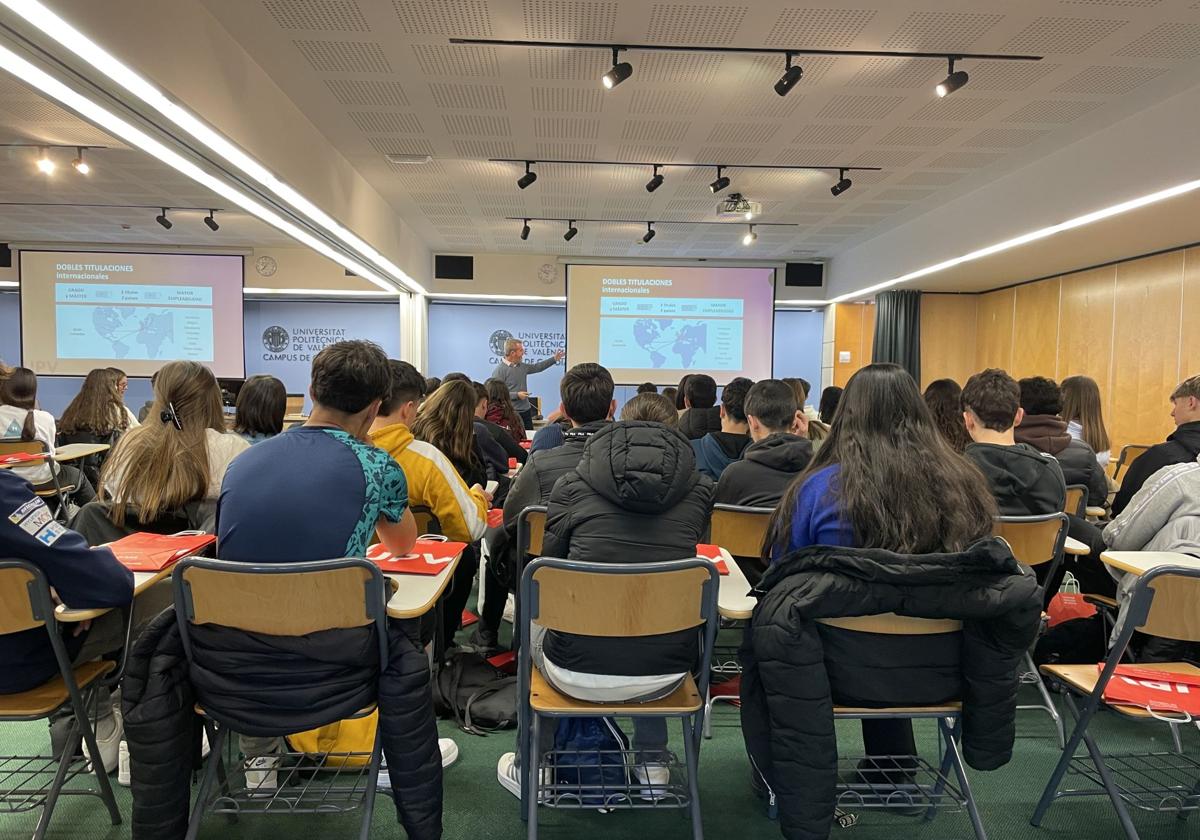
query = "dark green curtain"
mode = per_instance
[{"x": 898, "y": 330}]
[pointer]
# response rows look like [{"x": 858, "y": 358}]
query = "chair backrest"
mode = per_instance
[
  {"x": 427, "y": 522},
  {"x": 17, "y": 609},
  {"x": 1076, "y": 500},
  {"x": 280, "y": 599},
  {"x": 740, "y": 530},
  {"x": 619, "y": 599},
  {"x": 22, "y": 447},
  {"x": 531, "y": 527},
  {"x": 1174, "y": 612},
  {"x": 294, "y": 404},
  {"x": 1130, "y": 452},
  {"x": 1034, "y": 540},
  {"x": 895, "y": 625}
]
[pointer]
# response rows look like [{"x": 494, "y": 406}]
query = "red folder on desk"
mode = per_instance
[
  {"x": 144, "y": 552},
  {"x": 20, "y": 458},
  {"x": 495, "y": 517},
  {"x": 713, "y": 553},
  {"x": 428, "y": 557}
]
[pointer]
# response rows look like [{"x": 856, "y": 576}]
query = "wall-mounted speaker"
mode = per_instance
[
  {"x": 450, "y": 267},
  {"x": 804, "y": 275}
]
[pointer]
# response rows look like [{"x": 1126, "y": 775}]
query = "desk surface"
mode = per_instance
[
  {"x": 1076, "y": 548},
  {"x": 415, "y": 595},
  {"x": 141, "y": 582},
  {"x": 74, "y": 451},
  {"x": 733, "y": 592},
  {"x": 1140, "y": 562}
]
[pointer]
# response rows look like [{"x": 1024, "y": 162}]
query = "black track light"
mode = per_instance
[
  {"x": 620, "y": 71},
  {"x": 791, "y": 75},
  {"x": 842, "y": 185},
  {"x": 528, "y": 178},
  {"x": 952, "y": 82},
  {"x": 572, "y": 231},
  {"x": 162, "y": 219},
  {"x": 211, "y": 221},
  {"x": 81, "y": 165},
  {"x": 721, "y": 183},
  {"x": 655, "y": 182},
  {"x": 751, "y": 237},
  {"x": 649, "y": 233},
  {"x": 525, "y": 231}
]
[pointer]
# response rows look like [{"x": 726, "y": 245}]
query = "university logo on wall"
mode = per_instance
[
  {"x": 496, "y": 342},
  {"x": 276, "y": 339}
]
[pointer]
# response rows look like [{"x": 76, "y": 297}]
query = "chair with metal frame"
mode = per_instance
[
  {"x": 741, "y": 530},
  {"x": 1076, "y": 500},
  {"x": 60, "y": 492},
  {"x": 615, "y": 600},
  {"x": 936, "y": 792},
  {"x": 29, "y": 782},
  {"x": 1130, "y": 452},
  {"x": 285, "y": 599},
  {"x": 1161, "y": 603},
  {"x": 531, "y": 528},
  {"x": 1037, "y": 541}
]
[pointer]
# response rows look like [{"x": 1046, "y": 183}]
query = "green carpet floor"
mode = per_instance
[{"x": 477, "y": 808}]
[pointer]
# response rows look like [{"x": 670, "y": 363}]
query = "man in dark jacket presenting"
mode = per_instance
[
  {"x": 1181, "y": 447},
  {"x": 778, "y": 453}
]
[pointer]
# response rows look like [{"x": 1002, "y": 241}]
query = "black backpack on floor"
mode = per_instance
[{"x": 479, "y": 697}]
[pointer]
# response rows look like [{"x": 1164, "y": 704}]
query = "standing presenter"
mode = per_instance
[{"x": 515, "y": 374}]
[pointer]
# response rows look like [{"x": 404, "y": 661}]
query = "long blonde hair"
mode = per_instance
[
  {"x": 163, "y": 463},
  {"x": 1081, "y": 403},
  {"x": 447, "y": 420}
]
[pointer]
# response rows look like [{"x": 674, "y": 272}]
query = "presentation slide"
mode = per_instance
[
  {"x": 82, "y": 310},
  {"x": 656, "y": 323}
]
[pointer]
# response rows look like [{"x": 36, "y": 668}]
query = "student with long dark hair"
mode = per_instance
[
  {"x": 1083, "y": 409},
  {"x": 944, "y": 398},
  {"x": 829, "y": 404},
  {"x": 500, "y": 410},
  {"x": 883, "y": 439},
  {"x": 96, "y": 415},
  {"x": 22, "y": 420}
]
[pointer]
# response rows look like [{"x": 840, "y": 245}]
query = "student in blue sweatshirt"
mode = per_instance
[{"x": 884, "y": 478}]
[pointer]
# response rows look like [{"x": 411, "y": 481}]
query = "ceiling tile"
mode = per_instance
[
  {"x": 456, "y": 60},
  {"x": 940, "y": 31},
  {"x": 1062, "y": 35},
  {"x": 1166, "y": 42},
  {"x": 344, "y": 56},
  {"x": 1109, "y": 81},
  {"x": 859, "y": 107},
  {"x": 468, "y": 97},
  {"x": 819, "y": 28},
  {"x": 367, "y": 92},
  {"x": 569, "y": 20},
  {"x": 454, "y": 18},
  {"x": 318, "y": 15},
  {"x": 685, "y": 23}
]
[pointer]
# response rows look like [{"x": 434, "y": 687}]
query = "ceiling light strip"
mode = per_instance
[
  {"x": 1026, "y": 238},
  {"x": 55, "y": 89},
  {"x": 37, "y": 14},
  {"x": 263, "y": 290}
]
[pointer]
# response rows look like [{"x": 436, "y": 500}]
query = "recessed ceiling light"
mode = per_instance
[{"x": 408, "y": 160}]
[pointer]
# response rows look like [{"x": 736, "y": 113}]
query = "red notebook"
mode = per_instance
[
  {"x": 512, "y": 463},
  {"x": 20, "y": 458},
  {"x": 495, "y": 517},
  {"x": 525, "y": 444},
  {"x": 144, "y": 552},
  {"x": 713, "y": 553},
  {"x": 428, "y": 557}
]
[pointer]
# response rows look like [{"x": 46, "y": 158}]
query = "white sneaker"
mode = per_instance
[
  {"x": 109, "y": 732},
  {"x": 510, "y": 778},
  {"x": 123, "y": 764},
  {"x": 655, "y": 780},
  {"x": 261, "y": 775},
  {"x": 449, "y": 751}
]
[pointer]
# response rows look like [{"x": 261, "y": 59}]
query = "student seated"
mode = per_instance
[
  {"x": 1164, "y": 515},
  {"x": 944, "y": 398},
  {"x": 261, "y": 406},
  {"x": 717, "y": 450},
  {"x": 179, "y": 456},
  {"x": 779, "y": 452},
  {"x": 496, "y": 445},
  {"x": 22, "y": 420},
  {"x": 587, "y": 401},
  {"x": 1083, "y": 410},
  {"x": 634, "y": 497},
  {"x": 500, "y": 411},
  {"x": 647, "y": 388},
  {"x": 655, "y": 408},
  {"x": 1024, "y": 481},
  {"x": 701, "y": 414},
  {"x": 671, "y": 393},
  {"x": 828, "y": 406},
  {"x": 318, "y": 491},
  {"x": 433, "y": 482},
  {"x": 1181, "y": 446},
  {"x": 801, "y": 388},
  {"x": 82, "y": 577},
  {"x": 96, "y": 415},
  {"x": 1044, "y": 430}
]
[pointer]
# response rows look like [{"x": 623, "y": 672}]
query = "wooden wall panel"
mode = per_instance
[
  {"x": 1189, "y": 348},
  {"x": 1086, "y": 327},
  {"x": 994, "y": 330},
  {"x": 947, "y": 337},
  {"x": 1035, "y": 329},
  {"x": 1146, "y": 346},
  {"x": 853, "y": 332}
]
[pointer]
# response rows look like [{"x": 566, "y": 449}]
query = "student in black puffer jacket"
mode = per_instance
[{"x": 1044, "y": 430}]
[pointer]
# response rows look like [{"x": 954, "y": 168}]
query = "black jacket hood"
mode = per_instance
[
  {"x": 638, "y": 465},
  {"x": 1023, "y": 480},
  {"x": 781, "y": 451},
  {"x": 1187, "y": 435}
]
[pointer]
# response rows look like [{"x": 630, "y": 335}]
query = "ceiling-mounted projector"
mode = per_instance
[{"x": 737, "y": 205}]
